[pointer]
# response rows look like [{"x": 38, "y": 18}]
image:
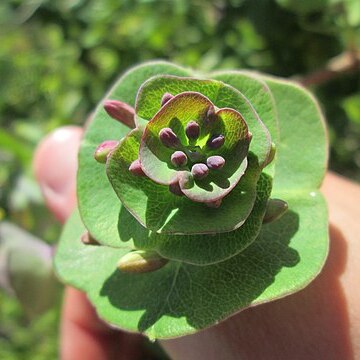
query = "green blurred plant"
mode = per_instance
[{"x": 58, "y": 57}]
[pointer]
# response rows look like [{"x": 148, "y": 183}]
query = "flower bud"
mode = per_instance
[
  {"x": 274, "y": 210},
  {"x": 141, "y": 261},
  {"x": 121, "y": 111},
  {"x": 169, "y": 138},
  {"x": 88, "y": 239},
  {"x": 136, "y": 169},
  {"x": 178, "y": 159},
  {"x": 200, "y": 171},
  {"x": 210, "y": 115},
  {"x": 216, "y": 141},
  {"x": 215, "y": 162},
  {"x": 192, "y": 130},
  {"x": 166, "y": 97},
  {"x": 175, "y": 189},
  {"x": 103, "y": 150}
]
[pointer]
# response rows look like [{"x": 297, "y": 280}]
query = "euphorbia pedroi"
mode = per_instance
[{"x": 201, "y": 200}]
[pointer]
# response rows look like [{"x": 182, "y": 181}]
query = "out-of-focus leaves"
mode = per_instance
[
  {"x": 26, "y": 269},
  {"x": 351, "y": 106},
  {"x": 15, "y": 146},
  {"x": 58, "y": 56},
  {"x": 304, "y": 6}
]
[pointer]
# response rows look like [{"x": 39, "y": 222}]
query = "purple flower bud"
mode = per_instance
[
  {"x": 136, "y": 169},
  {"x": 178, "y": 159},
  {"x": 216, "y": 141},
  {"x": 120, "y": 111},
  {"x": 215, "y": 162},
  {"x": 103, "y": 150},
  {"x": 200, "y": 171},
  {"x": 175, "y": 189},
  {"x": 169, "y": 138},
  {"x": 214, "y": 204},
  {"x": 210, "y": 115},
  {"x": 166, "y": 97},
  {"x": 192, "y": 130}
]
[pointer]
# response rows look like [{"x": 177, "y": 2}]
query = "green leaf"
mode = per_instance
[
  {"x": 303, "y": 7},
  {"x": 154, "y": 206},
  {"x": 180, "y": 298},
  {"x": 220, "y": 94},
  {"x": 155, "y": 157},
  {"x": 26, "y": 270},
  {"x": 260, "y": 97},
  {"x": 291, "y": 111},
  {"x": 302, "y": 153},
  {"x": 175, "y": 114},
  {"x": 98, "y": 204},
  {"x": 208, "y": 249}
]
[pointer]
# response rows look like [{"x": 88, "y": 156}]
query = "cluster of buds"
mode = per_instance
[
  {"x": 196, "y": 154},
  {"x": 193, "y": 155},
  {"x": 195, "y": 149}
]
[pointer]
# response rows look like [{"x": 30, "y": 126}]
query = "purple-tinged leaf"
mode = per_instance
[{"x": 186, "y": 180}]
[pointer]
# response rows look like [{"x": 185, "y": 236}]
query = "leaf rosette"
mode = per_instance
[{"x": 194, "y": 202}]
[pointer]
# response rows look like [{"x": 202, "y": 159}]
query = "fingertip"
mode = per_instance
[{"x": 55, "y": 167}]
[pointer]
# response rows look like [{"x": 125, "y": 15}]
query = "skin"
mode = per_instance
[{"x": 320, "y": 322}]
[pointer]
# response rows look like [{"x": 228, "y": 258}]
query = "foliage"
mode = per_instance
[
  {"x": 186, "y": 249},
  {"x": 58, "y": 57}
]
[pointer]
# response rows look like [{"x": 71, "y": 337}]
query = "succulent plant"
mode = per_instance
[{"x": 208, "y": 202}]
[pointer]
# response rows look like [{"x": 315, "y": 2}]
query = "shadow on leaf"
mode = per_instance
[{"x": 200, "y": 294}]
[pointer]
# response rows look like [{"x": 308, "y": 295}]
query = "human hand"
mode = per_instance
[{"x": 320, "y": 322}]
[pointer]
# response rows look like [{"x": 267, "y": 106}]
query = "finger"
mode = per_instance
[
  {"x": 85, "y": 336},
  {"x": 55, "y": 166}
]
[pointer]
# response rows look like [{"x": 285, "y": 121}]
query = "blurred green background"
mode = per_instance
[{"x": 58, "y": 57}]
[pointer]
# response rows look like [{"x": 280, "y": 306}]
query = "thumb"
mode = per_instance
[{"x": 55, "y": 166}]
